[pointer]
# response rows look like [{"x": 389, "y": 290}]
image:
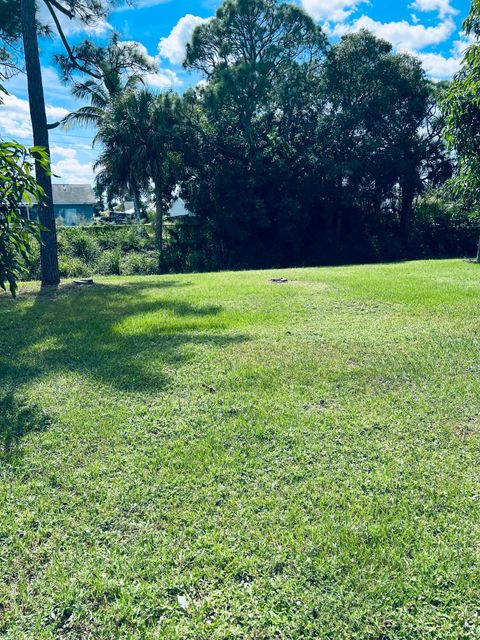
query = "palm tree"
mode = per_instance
[
  {"x": 120, "y": 68},
  {"x": 144, "y": 142}
]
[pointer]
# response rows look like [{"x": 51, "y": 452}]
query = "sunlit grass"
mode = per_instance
[{"x": 293, "y": 461}]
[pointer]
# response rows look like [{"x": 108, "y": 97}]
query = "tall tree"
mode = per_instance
[
  {"x": 106, "y": 74},
  {"x": 48, "y": 244},
  {"x": 462, "y": 115},
  {"x": 246, "y": 49},
  {"x": 246, "y": 53},
  {"x": 376, "y": 103},
  {"x": 144, "y": 140},
  {"x": 23, "y": 25}
]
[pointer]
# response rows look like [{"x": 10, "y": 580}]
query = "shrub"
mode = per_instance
[
  {"x": 139, "y": 264},
  {"x": 108, "y": 264},
  {"x": 73, "y": 267},
  {"x": 81, "y": 245},
  {"x": 444, "y": 228},
  {"x": 134, "y": 239},
  {"x": 190, "y": 247}
]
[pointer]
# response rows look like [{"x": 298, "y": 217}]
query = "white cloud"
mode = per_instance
[
  {"x": 62, "y": 152},
  {"x": 132, "y": 44},
  {"x": 72, "y": 27},
  {"x": 331, "y": 10},
  {"x": 173, "y": 47},
  {"x": 403, "y": 35},
  {"x": 160, "y": 79},
  {"x": 15, "y": 117},
  {"x": 442, "y": 7},
  {"x": 163, "y": 79},
  {"x": 460, "y": 46},
  {"x": 439, "y": 67},
  {"x": 72, "y": 171},
  {"x": 445, "y": 67}
]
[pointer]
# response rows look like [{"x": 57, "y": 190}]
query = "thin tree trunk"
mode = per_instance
[
  {"x": 48, "y": 248},
  {"x": 339, "y": 226},
  {"x": 158, "y": 221},
  {"x": 136, "y": 203},
  {"x": 408, "y": 196},
  {"x": 478, "y": 252}
]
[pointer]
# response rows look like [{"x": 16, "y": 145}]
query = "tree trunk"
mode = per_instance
[
  {"x": 158, "y": 221},
  {"x": 478, "y": 252},
  {"x": 408, "y": 196},
  {"x": 48, "y": 235},
  {"x": 136, "y": 203}
]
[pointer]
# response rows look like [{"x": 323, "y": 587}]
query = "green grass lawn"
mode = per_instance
[{"x": 213, "y": 456}]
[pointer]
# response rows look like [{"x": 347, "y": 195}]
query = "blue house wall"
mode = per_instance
[{"x": 73, "y": 214}]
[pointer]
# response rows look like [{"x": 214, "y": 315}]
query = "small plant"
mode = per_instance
[
  {"x": 73, "y": 267},
  {"x": 83, "y": 246},
  {"x": 17, "y": 185},
  {"x": 108, "y": 264},
  {"x": 139, "y": 264}
]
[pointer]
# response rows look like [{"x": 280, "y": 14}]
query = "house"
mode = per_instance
[{"x": 74, "y": 204}]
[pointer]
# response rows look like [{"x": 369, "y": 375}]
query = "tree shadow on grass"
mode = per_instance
[
  {"x": 17, "y": 419},
  {"x": 129, "y": 336}
]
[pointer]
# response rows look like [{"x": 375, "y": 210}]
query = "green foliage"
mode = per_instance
[
  {"x": 445, "y": 226},
  {"x": 105, "y": 250},
  {"x": 139, "y": 264},
  {"x": 306, "y": 153},
  {"x": 120, "y": 67},
  {"x": 17, "y": 185},
  {"x": 81, "y": 245},
  {"x": 71, "y": 267},
  {"x": 145, "y": 139},
  {"x": 462, "y": 113},
  {"x": 108, "y": 264},
  {"x": 190, "y": 247}
]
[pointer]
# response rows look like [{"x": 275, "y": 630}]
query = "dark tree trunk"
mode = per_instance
[
  {"x": 158, "y": 222},
  {"x": 478, "y": 252},
  {"x": 48, "y": 248},
  {"x": 339, "y": 227},
  {"x": 136, "y": 203},
  {"x": 338, "y": 212},
  {"x": 408, "y": 196}
]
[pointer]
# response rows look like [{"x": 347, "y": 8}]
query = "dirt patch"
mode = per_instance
[{"x": 467, "y": 429}]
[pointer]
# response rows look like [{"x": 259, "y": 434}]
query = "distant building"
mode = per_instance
[
  {"x": 179, "y": 209},
  {"x": 73, "y": 203}
]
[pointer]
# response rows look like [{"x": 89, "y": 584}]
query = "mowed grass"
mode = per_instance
[{"x": 215, "y": 457}]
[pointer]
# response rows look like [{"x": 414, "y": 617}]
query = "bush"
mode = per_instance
[
  {"x": 103, "y": 250},
  {"x": 190, "y": 247},
  {"x": 108, "y": 264},
  {"x": 139, "y": 264},
  {"x": 444, "y": 228},
  {"x": 73, "y": 267},
  {"x": 81, "y": 245}
]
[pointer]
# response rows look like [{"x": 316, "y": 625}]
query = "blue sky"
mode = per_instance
[{"x": 430, "y": 29}]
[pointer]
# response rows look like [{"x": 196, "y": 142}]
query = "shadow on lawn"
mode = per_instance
[
  {"x": 17, "y": 419},
  {"x": 77, "y": 331}
]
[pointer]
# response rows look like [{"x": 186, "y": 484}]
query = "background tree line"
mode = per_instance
[{"x": 290, "y": 150}]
